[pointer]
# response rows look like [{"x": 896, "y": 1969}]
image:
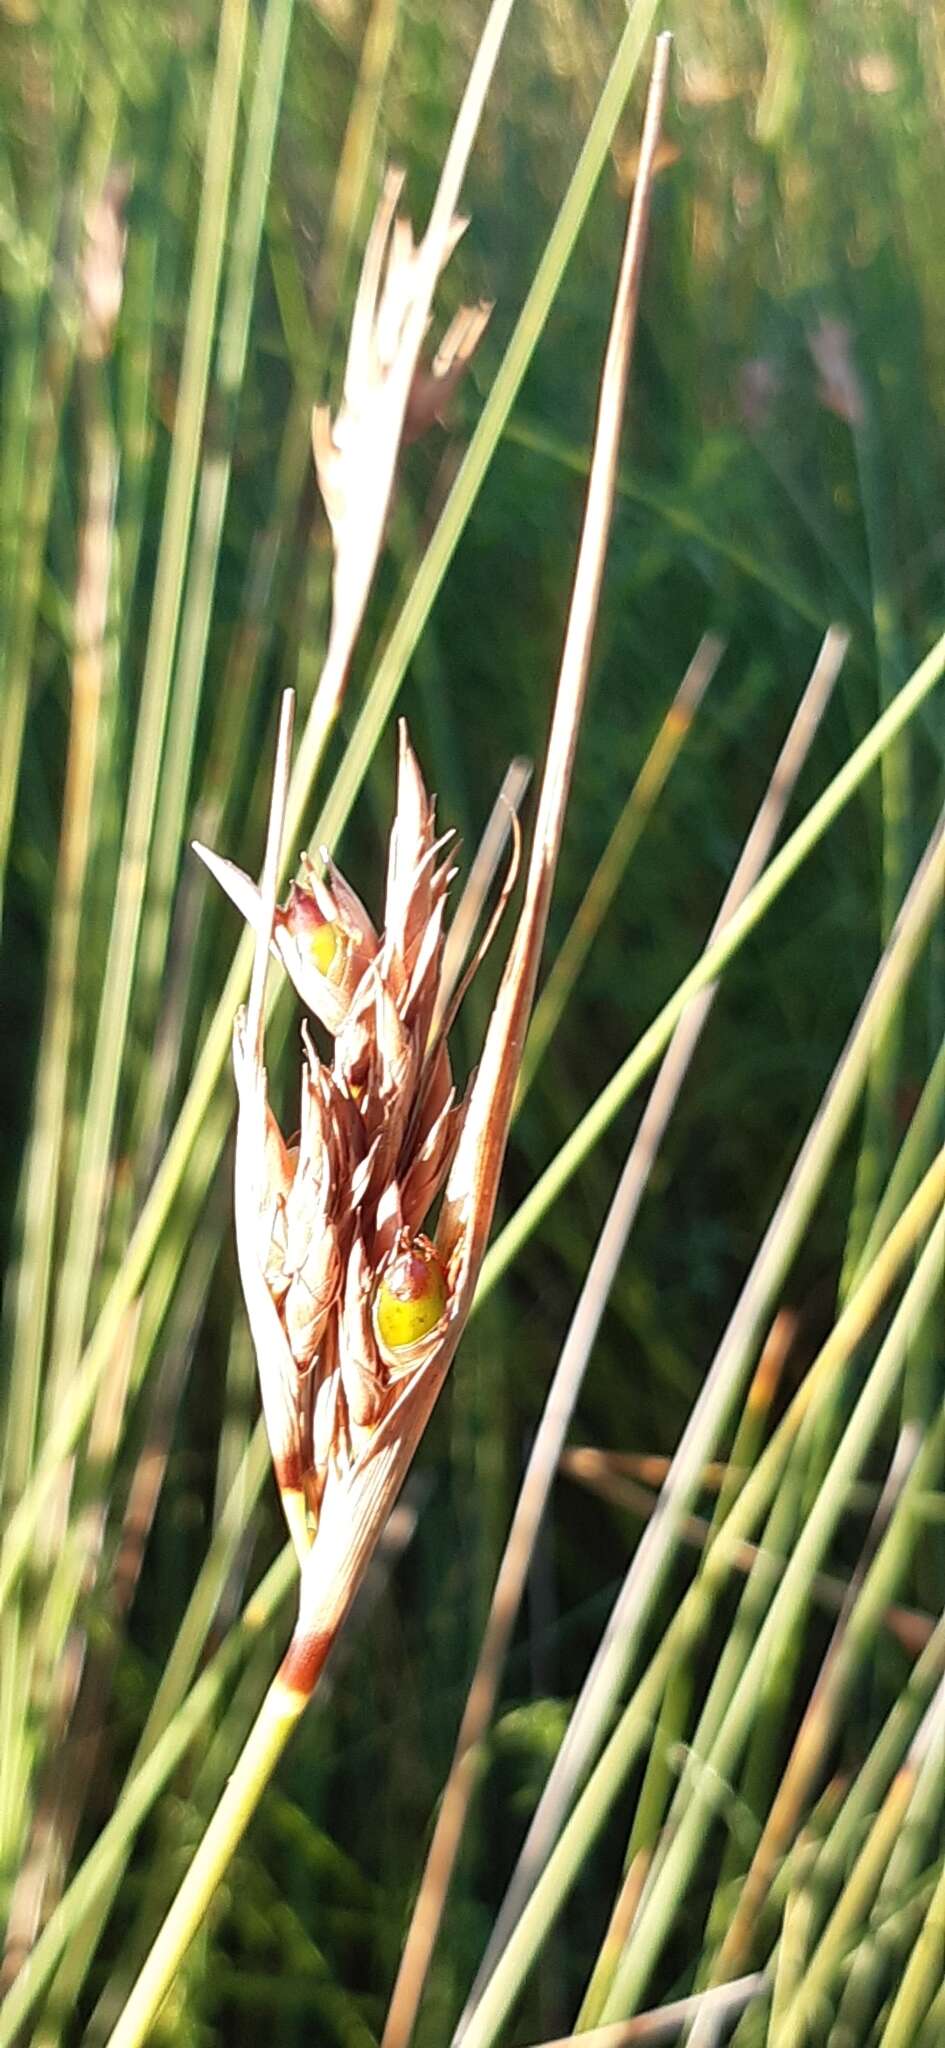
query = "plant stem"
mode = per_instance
[
  {"x": 611, "y": 868},
  {"x": 106, "y": 1859},
  {"x": 92, "y": 1171},
  {"x": 281, "y": 1711},
  {"x": 651, "y": 1561},
  {"x": 717, "y": 1766}
]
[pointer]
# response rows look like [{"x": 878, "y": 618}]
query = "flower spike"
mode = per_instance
[
  {"x": 355, "y": 1442},
  {"x": 347, "y": 1299}
]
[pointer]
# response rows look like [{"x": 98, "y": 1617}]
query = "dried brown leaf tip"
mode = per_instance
[{"x": 347, "y": 1298}]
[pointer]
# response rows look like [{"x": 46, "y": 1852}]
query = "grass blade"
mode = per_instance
[
  {"x": 612, "y": 866},
  {"x": 651, "y": 1560}
]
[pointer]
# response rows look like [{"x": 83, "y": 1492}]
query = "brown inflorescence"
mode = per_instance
[{"x": 346, "y": 1296}]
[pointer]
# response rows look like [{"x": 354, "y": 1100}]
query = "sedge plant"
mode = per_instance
[{"x": 742, "y": 1832}]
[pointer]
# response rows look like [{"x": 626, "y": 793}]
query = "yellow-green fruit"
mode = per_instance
[
  {"x": 411, "y": 1298},
  {"x": 320, "y": 937},
  {"x": 323, "y": 945}
]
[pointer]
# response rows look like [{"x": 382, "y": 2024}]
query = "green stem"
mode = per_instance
[
  {"x": 635, "y": 1727},
  {"x": 667, "y": 1889},
  {"x": 212, "y": 500},
  {"x": 278, "y": 1716},
  {"x": 107, "y": 1858},
  {"x": 892, "y": 1845},
  {"x": 916, "y": 1149},
  {"x": 98, "y": 1125},
  {"x": 922, "y": 1978}
]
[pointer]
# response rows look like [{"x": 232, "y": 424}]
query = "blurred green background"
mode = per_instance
[{"x": 782, "y": 469}]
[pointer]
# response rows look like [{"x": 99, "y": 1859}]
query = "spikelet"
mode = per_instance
[
  {"x": 346, "y": 1297},
  {"x": 388, "y": 398}
]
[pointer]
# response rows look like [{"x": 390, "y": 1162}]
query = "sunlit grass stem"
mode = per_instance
[
  {"x": 659, "y": 1909},
  {"x": 569, "y": 960},
  {"x": 634, "y": 1729},
  {"x": 118, "y": 978},
  {"x": 109, "y": 1854},
  {"x": 720, "y": 1387}
]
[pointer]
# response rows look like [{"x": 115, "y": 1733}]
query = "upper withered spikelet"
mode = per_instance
[
  {"x": 389, "y": 398},
  {"x": 346, "y": 1297}
]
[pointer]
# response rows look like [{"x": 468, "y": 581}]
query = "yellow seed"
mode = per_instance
[
  {"x": 323, "y": 945},
  {"x": 323, "y": 939},
  {"x": 411, "y": 1298}
]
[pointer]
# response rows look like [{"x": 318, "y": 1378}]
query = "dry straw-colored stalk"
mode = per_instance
[{"x": 666, "y": 2022}]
